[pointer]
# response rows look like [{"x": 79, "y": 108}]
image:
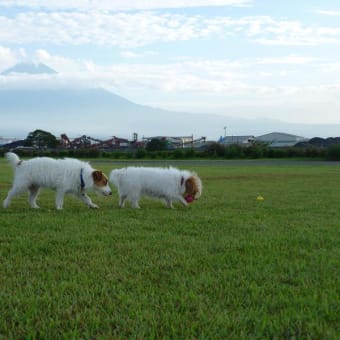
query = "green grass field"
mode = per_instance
[{"x": 229, "y": 266}]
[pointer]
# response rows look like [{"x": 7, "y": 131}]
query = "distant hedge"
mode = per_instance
[
  {"x": 213, "y": 151},
  {"x": 333, "y": 152}
]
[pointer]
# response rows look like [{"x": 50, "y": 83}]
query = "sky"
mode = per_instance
[{"x": 241, "y": 58}]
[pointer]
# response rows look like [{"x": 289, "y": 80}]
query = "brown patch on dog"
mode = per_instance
[
  {"x": 99, "y": 178},
  {"x": 192, "y": 187}
]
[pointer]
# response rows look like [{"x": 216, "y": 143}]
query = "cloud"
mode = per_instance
[
  {"x": 265, "y": 30},
  {"x": 189, "y": 76},
  {"x": 120, "y": 29},
  {"x": 8, "y": 57},
  {"x": 251, "y": 86},
  {"x": 133, "y": 30},
  {"x": 119, "y": 5},
  {"x": 202, "y": 76},
  {"x": 328, "y": 12},
  {"x": 137, "y": 55},
  {"x": 287, "y": 60},
  {"x": 60, "y": 64}
]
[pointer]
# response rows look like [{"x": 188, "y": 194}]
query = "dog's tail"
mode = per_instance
[{"x": 13, "y": 159}]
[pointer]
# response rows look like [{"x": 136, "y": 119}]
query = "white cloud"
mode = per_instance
[
  {"x": 120, "y": 29},
  {"x": 331, "y": 67},
  {"x": 202, "y": 77},
  {"x": 60, "y": 64},
  {"x": 137, "y": 55},
  {"x": 287, "y": 60},
  {"x": 265, "y": 30},
  {"x": 119, "y": 5},
  {"x": 8, "y": 57},
  {"x": 328, "y": 12},
  {"x": 131, "y": 30},
  {"x": 250, "y": 86}
]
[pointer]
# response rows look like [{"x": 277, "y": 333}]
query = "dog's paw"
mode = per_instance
[{"x": 94, "y": 206}]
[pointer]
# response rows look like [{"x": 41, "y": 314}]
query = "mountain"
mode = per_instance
[
  {"x": 100, "y": 113},
  {"x": 88, "y": 111},
  {"x": 29, "y": 68}
]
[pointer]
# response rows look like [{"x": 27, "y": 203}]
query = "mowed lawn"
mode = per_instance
[{"x": 228, "y": 266}]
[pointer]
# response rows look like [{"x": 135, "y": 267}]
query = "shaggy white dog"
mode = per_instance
[
  {"x": 168, "y": 184},
  {"x": 62, "y": 175}
]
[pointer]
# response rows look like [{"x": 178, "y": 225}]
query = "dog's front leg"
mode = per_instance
[
  {"x": 122, "y": 199},
  {"x": 87, "y": 200},
  {"x": 183, "y": 201}
]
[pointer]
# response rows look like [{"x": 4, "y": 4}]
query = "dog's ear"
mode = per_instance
[
  {"x": 190, "y": 185},
  {"x": 97, "y": 175}
]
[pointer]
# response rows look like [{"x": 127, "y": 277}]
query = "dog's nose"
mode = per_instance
[{"x": 110, "y": 193}]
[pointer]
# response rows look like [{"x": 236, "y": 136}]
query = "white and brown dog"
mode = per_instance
[
  {"x": 168, "y": 184},
  {"x": 62, "y": 175}
]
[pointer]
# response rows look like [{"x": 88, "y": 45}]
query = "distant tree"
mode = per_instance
[
  {"x": 41, "y": 139},
  {"x": 157, "y": 145},
  {"x": 234, "y": 151},
  {"x": 215, "y": 150},
  {"x": 333, "y": 152},
  {"x": 140, "y": 153}
]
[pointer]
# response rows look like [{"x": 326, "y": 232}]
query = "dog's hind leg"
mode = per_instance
[
  {"x": 33, "y": 194},
  {"x": 15, "y": 191},
  {"x": 134, "y": 204},
  {"x": 59, "y": 200},
  {"x": 134, "y": 199},
  {"x": 169, "y": 203}
]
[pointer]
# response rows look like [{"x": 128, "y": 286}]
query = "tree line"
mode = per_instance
[
  {"x": 43, "y": 143},
  {"x": 213, "y": 151}
]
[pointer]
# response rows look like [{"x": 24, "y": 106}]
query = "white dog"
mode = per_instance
[
  {"x": 168, "y": 184},
  {"x": 62, "y": 175}
]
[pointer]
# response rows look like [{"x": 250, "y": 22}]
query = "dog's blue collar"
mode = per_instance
[
  {"x": 82, "y": 183},
  {"x": 182, "y": 180}
]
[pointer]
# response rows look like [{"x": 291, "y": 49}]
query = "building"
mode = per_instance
[
  {"x": 280, "y": 139},
  {"x": 89, "y": 142},
  {"x": 178, "y": 142},
  {"x": 241, "y": 140}
]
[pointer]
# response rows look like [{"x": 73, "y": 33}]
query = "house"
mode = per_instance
[
  {"x": 241, "y": 140},
  {"x": 89, "y": 142},
  {"x": 280, "y": 139},
  {"x": 178, "y": 141}
]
